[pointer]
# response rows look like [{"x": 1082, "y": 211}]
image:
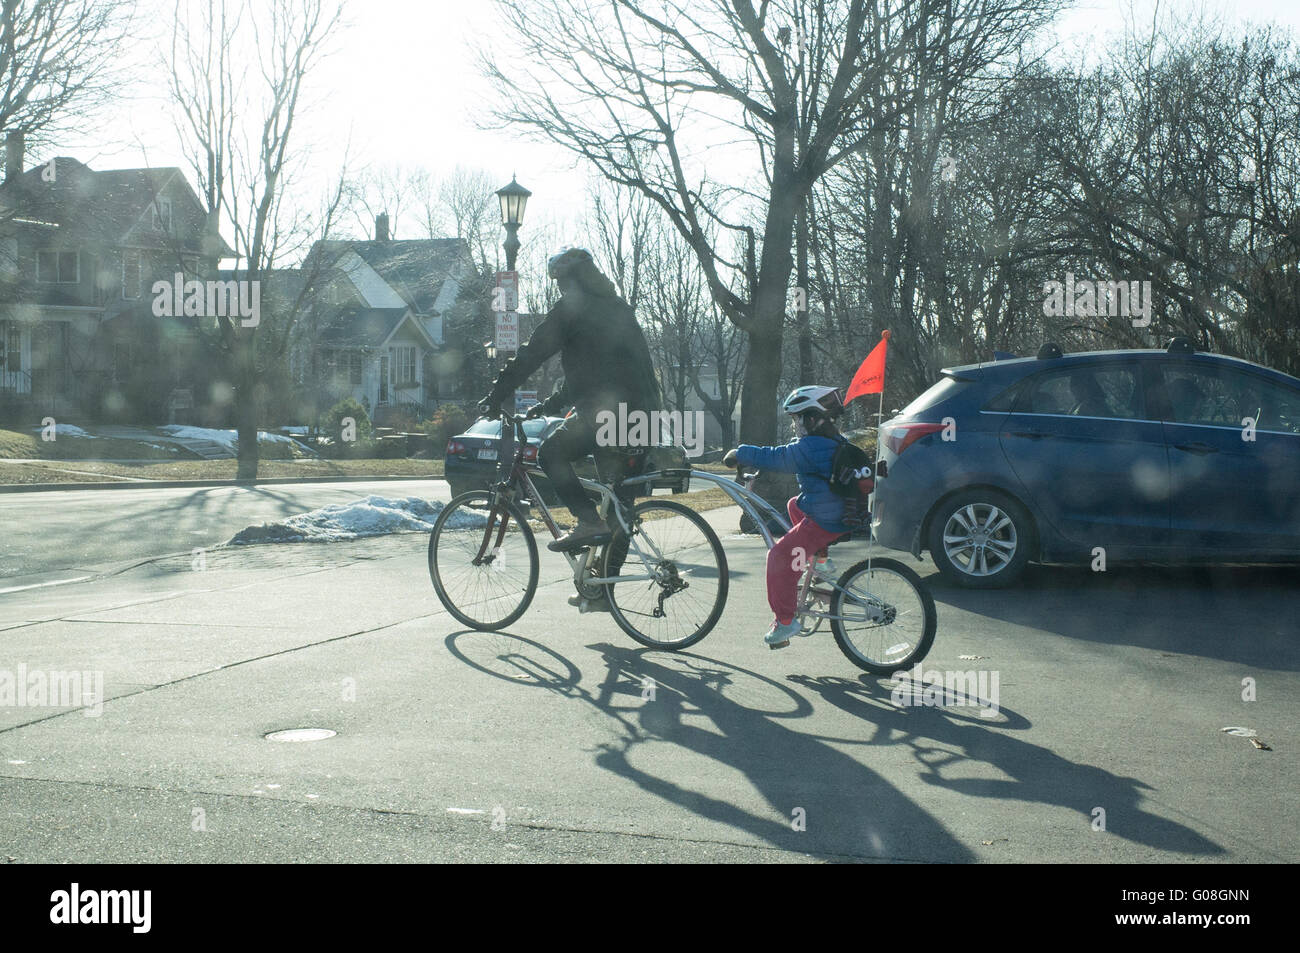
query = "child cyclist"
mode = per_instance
[{"x": 815, "y": 514}]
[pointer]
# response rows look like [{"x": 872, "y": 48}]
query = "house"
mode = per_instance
[
  {"x": 80, "y": 250},
  {"x": 374, "y": 325}
]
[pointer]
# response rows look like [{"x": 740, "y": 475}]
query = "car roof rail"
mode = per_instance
[
  {"x": 1180, "y": 345},
  {"x": 1049, "y": 351}
]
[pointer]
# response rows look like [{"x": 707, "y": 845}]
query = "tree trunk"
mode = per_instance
[{"x": 246, "y": 409}]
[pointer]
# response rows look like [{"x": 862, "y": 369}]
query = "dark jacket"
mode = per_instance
[
  {"x": 809, "y": 458},
  {"x": 604, "y": 355}
]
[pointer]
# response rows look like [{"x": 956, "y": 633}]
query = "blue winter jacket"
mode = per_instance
[{"x": 809, "y": 458}]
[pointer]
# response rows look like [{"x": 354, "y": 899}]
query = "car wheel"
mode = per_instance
[{"x": 981, "y": 539}]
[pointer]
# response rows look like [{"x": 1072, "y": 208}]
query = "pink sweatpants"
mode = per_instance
[{"x": 787, "y": 560}]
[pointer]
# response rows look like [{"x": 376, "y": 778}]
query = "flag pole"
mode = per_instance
[{"x": 880, "y": 413}]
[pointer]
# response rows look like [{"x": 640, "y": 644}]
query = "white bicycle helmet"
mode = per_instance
[{"x": 814, "y": 399}]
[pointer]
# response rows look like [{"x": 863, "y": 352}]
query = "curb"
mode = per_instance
[{"x": 196, "y": 484}]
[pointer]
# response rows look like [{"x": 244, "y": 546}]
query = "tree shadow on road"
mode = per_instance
[{"x": 1238, "y": 614}]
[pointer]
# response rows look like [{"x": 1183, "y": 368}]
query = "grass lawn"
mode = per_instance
[{"x": 16, "y": 444}]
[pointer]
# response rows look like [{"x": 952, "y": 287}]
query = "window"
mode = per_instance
[
  {"x": 383, "y": 379},
  {"x": 130, "y": 274},
  {"x": 1085, "y": 391},
  {"x": 162, "y": 214},
  {"x": 405, "y": 366},
  {"x": 58, "y": 267},
  {"x": 346, "y": 365},
  {"x": 1219, "y": 397},
  {"x": 11, "y": 357}
]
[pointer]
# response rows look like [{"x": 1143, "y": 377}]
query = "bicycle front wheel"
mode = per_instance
[
  {"x": 483, "y": 560},
  {"x": 883, "y": 616},
  {"x": 676, "y": 576}
]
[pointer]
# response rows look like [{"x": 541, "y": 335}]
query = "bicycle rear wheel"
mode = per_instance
[
  {"x": 680, "y": 576},
  {"x": 883, "y": 616},
  {"x": 483, "y": 560}
]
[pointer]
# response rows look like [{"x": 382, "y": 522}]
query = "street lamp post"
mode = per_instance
[{"x": 514, "y": 197}]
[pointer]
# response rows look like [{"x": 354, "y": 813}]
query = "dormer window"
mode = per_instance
[
  {"x": 162, "y": 214},
  {"x": 58, "y": 267}
]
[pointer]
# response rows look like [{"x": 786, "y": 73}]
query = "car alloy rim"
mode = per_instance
[{"x": 980, "y": 539}]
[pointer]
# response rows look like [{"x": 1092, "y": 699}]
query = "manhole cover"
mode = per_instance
[{"x": 301, "y": 734}]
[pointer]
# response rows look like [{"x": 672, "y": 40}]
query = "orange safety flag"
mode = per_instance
[{"x": 870, "y": 378}]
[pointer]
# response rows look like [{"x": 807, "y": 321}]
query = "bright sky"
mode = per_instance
[{"x": 402, "y": 88}]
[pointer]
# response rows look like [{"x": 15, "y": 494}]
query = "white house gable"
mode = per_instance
[{"x": 373, "y": 289}]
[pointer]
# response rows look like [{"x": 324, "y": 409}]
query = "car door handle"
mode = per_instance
[
  {"x": 1198, "y": 448},
  {"x": 1031, "y": 434}
]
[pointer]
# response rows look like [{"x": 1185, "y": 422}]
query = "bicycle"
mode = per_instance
[
  {"x": 878, "y": 602},
  {"x": 888, "y": 598},
  {"x": 672, "y": 598}
]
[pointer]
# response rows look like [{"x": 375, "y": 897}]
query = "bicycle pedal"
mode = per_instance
[{"x": 779, "y": 645}]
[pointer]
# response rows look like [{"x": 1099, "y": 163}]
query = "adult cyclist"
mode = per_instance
[{"x": 607, "y": 367}]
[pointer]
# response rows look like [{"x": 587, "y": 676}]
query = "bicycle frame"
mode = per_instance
[
  {"x": 518, "y": 475},
  {"x": 761, "y": 512}
]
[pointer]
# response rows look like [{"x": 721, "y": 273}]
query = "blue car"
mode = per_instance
[{"x": 1169, "y": 456}]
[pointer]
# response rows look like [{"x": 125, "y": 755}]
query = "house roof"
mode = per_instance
[
  {"x": 108, "y": 206},
  {"x": 414, "y": 268},
  {"x": 368, "y": 327}
]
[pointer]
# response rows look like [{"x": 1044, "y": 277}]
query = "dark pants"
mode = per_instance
[{"x": 571, "y": 441}]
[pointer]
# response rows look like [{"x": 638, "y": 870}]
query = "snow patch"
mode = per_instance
[
  {"x": 373, "y": 516},
  {"x": 67, "y": 430},
  {"x": 227, "y": 438}
]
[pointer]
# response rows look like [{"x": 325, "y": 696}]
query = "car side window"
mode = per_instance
[
  {"x": 1280, "y": 408},
  {"x": 1109, "y": 391},
  {"x": 1213, "y": 397}
]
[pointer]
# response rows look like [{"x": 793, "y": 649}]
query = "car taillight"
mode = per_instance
[
  {"x": 455, "y": 448},
  {"x": 901, "y": 436},
  {"x": 530, "y": 453}
]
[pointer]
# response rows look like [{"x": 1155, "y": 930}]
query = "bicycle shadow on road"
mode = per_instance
[
  {"x": 697, "y": 703},
  {"x": 739, "y": 720},
  {"x": 1032, "y": 773}
]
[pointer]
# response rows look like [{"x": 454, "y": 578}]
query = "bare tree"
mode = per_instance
[
  {"x": 239, "y": 140},
  {"x": 58, "y": 61},
  {"x": 636, "y": 87},
  {"x": 466, "y": 200},
  {"x": 404, "y": 194}
]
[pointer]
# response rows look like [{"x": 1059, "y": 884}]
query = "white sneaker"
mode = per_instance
[{"x": 778, "y": 636}]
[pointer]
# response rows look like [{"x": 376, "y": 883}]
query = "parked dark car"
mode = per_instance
[
  {"x": 1170, "y": 456},
  {"x": 471, "y": 458}
]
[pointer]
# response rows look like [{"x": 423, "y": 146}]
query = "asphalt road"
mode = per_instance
[
  {"x": 541, "y": 743},
  {"x": 61, "y": 534}
]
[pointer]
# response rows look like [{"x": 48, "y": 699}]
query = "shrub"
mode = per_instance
[
  {"x": 363, "y": 445},
  {"x": 447, "y": 421}
]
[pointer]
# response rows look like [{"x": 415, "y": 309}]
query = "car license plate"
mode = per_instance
[{"x": 487, "y": 454}]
